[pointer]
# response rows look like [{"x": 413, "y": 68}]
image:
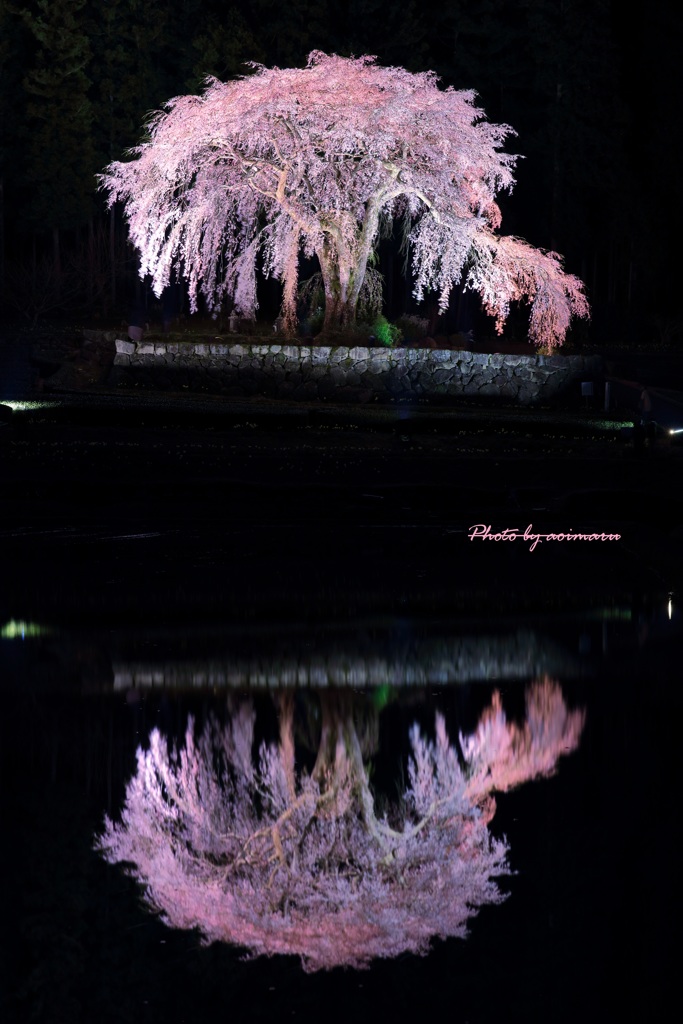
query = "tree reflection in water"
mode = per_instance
[{"x": 284, "y": 861}]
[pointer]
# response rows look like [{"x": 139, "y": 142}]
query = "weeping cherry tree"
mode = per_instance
[
  {"x": 317, "y": 161},
  {"x": 265, "y": 855}
]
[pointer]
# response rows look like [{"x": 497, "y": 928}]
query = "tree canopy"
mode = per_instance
[
  {"x": 269, "y": 856},
  {"x": 317, "y": 161}
]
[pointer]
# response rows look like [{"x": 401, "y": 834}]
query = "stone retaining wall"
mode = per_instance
[
  {"x": 348, "y": 374},
  {"x": 443, "y": 660}
]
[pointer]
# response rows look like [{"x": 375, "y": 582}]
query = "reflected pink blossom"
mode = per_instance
[
  {"x": 280, "y": 861},
  {"x": 502, "y": 754}
]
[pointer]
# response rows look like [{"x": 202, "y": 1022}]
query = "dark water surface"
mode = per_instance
[{"x": 121, "y": 615}]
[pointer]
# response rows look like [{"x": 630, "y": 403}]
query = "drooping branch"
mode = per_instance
[
  {"x": 282, "y": 862},
  {"x": 319, "y": 154}
]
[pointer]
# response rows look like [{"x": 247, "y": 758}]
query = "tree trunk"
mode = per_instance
[
  {"x": 343, "y": 268},
  {"x": 340, "y": 301},
  {"x": 339, "y": 315}
]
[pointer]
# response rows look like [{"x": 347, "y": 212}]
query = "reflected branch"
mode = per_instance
[{"x": 254, "y": 852}]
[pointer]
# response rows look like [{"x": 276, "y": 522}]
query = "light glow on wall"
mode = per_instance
[
  {"x": 30, "y": 406},
  {"x": 18, "y": 629}
]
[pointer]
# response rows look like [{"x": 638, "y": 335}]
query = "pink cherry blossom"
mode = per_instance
[
  {"x": 280, "y": 861},
  {"x": 316, "y": 161}
]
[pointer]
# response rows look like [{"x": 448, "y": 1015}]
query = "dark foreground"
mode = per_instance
[
  {"x": 334, "y": 495},
  {"x": 157, "y": 542}
]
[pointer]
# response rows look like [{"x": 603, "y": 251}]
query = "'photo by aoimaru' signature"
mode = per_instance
[{"x": 482, "y": 531}]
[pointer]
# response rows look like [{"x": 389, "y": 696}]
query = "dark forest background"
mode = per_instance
[{"x": 590, "y": 86}]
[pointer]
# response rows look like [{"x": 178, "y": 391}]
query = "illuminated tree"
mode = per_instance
[
  {"x": 318, "y": 160},
  {"x": 285, "y": 862}
]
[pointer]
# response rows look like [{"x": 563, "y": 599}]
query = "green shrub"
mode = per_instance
[{"x": 386, "y": 333}]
